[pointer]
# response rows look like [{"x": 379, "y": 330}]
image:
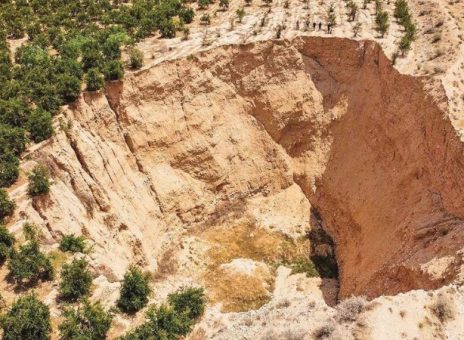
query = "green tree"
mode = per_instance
[
  {"x": 188, "y": 300},
  {"x": 39, "y": 183},
  {"x": 6, "y": 243},
  {"x": 28, "y": 318},
  {"x": 9, "y": 169},
  {"x": 29, "y": 264},
  {"x": 75, "y": 280},
  {"x": 134, "y": 291},
  {"x": 7, "y": 206},
  {"x": 114, "y": 70},
  {"x": 382, "y": 22},
  {"x": 40, "y": 125},
  {"x": 72, "y": 243},
  {"x": 89, "y": 322},
  {"x": 162, "y": 323},
  {"x": 95, "y": 80},
  {"x": 68, "y": 87}
]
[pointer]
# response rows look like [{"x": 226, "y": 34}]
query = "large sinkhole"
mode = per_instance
[{"x": 373, "y": 152}]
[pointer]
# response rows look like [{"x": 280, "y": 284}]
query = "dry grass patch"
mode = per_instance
[{"x": 239, "y": 291}]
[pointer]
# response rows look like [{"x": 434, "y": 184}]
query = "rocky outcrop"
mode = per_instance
[{"x": 195, "y": 142}]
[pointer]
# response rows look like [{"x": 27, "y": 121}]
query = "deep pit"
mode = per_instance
[{"x": 190, "y": 143}]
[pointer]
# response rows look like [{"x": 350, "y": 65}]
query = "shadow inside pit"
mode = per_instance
[{"x": 323, "y": 256}]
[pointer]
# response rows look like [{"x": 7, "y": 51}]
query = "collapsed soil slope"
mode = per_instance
[{"x": 190, "y": 143}]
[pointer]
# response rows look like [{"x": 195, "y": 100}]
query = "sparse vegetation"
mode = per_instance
[
  {"x": 134, "y": 291},
  {"x": 31, "y": 232},
  {"x": 304, "y": 265},
  {"x": 28, "y": 318},
  {"x": 39, "y": 183},
  {"x": 240, "y": 14},
  {"x": 404, "y": 18},
  {"x": 135, "y": 58},
  {"x": 324, "y": 332},
  {"x": 73, "y": 244},
  {"x": 171, "y": 321},
  {"x": 348, "y": 310},
  {"x": 75, "y": 280},
  {"x": 89, "y": 322},
  {"x": 443, "y": 308},
  {"x": 352, "y": 10}
]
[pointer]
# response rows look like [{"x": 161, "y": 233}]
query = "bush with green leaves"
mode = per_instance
[
  {"x": 135, "y": 58},
  {"x": 134, "y": 290},
  {"x": 7, "y": 206},
  {"x": 113, "y": 70},
  {"x": 76, "y": 280},
  {"x": 39, "y": 183},
  {"x": 31, "y": 232},
  {"x": 28, "y": 318},
  {"x": 95, "y": 80},
  {"x": 29, "y": 264},
  {"x": 72, "y": 243},
  {"x": 89, "y": 321},
  {"x": 174, "y": 320},
  {"x": 188, "y": 300},
  {"x": 9, "y": 169},
  {"x": 40, "y": 125},
  {"x": 6, "y": 243}
]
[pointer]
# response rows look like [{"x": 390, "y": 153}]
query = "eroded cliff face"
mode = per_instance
[{"x": 261, "y": 133}]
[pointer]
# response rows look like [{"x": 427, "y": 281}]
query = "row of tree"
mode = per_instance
[
  {"x": 29, "y": 318},
  {"x": 70, "y": 45}
]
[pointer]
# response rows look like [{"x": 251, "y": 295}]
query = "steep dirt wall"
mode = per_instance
[{"x": 194, "y": 142}]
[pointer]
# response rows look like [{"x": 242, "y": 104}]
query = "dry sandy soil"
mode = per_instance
[{"x": 212, "y": 164}]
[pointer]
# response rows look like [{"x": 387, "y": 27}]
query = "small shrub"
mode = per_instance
[
  {"x": 382, "y": 22},
  {"x": 6, "y": 243},
  {"x": 240, "y": 14},
  {"x": 443, "y": 308},
  {"x": 205, "y": 19},
  {"x": 304, "y": 265},
  {"x": 7, "y": 206},
  {"x": 135, "y": 58},
  {"x": 349, "y": 309},
  {"x": 134, "y": 291},
  {"x": 72, "y": 243},
  {"x": 324, "y": 332},
  {"x": 89, "y": 322},
  {"x": 188, "y": 300},
  {"x": 31, "y": 232},
  {"x": 29, "y": 264},
  {"x": 39, "y": 181},
  {"x": 28, "y": 318},
  {"x": 75, "y": 280}
]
